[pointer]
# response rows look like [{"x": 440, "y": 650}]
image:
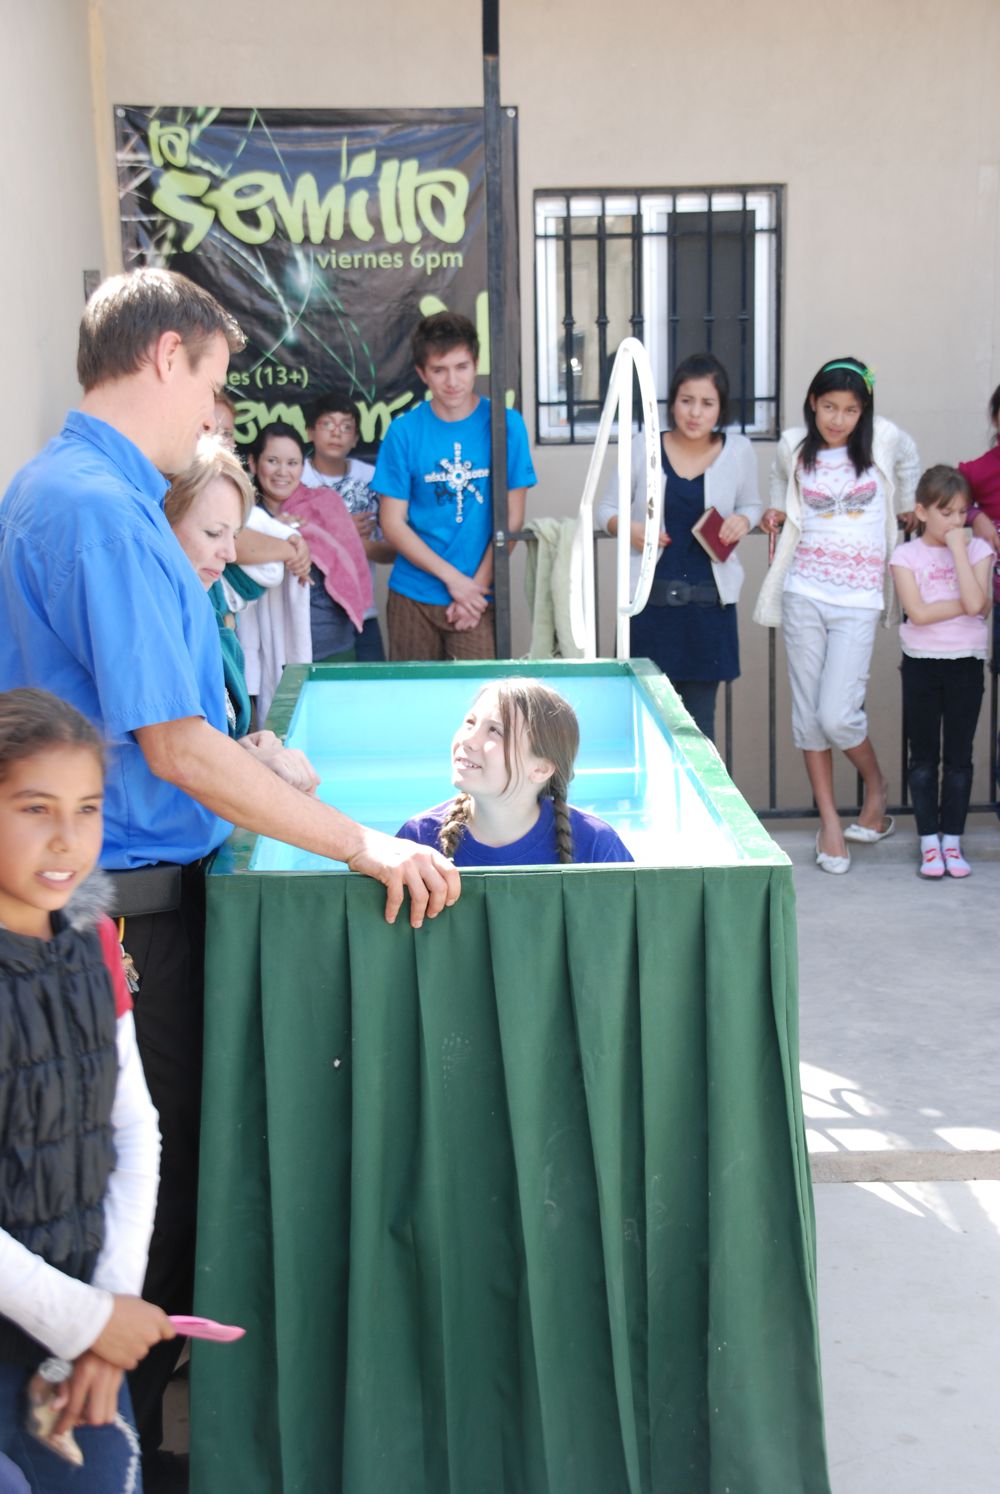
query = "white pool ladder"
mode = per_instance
[{"x": 631, "y": 355}]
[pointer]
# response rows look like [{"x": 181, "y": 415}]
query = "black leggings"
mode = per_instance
[{"x": 941, "y": 700}]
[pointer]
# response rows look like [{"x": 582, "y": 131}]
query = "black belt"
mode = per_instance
[
  {"x": 681, "y": 593},
  {"x": 147, "y": 889}
]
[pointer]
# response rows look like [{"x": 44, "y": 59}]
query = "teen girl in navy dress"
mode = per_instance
[{"x": 688, "y": 627}]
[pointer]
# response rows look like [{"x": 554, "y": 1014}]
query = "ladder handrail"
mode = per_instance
[{"x": 631, "y": 356}]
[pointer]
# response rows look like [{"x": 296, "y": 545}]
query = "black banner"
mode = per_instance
[{"x": 327, "y": 234}]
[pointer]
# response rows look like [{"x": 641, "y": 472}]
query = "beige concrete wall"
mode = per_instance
[
  {"x": 52, "y": 226},
  {"x": 883, "y": 122}
]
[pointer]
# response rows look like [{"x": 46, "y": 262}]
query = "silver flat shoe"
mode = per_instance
[
  {"x": 867, "y": 836},
  {"x": 836, "y": 865}
]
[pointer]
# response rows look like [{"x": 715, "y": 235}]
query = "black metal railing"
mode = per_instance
[{"x": 772, "y": 810}]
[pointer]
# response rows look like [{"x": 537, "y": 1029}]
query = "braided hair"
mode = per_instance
[
  {"x": 552, "y": 732},
  {"x": 454, "y": 823}
]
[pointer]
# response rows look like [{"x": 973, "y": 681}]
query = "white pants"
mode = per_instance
[{"x": 829, "y": 652}]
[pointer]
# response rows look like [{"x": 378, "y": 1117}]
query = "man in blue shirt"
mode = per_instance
[
  {"x": 434, "y": 478},
  {"x": 99, "y": 605}
]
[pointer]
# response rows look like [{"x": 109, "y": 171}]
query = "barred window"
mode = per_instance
[{"x": 685, "y": 270}]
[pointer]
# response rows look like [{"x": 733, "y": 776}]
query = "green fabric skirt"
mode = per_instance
[{"x": 518, "y": 1203}]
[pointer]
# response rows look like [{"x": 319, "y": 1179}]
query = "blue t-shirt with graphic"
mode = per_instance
[{"x": 441, "y": 468}]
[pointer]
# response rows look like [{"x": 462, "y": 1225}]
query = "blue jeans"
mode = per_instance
[
  {"x": 110, "y": 1453},
  {"x": 368, "y": 647}
]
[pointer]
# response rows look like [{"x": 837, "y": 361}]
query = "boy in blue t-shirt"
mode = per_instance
[{"x": 436, "y": 510}]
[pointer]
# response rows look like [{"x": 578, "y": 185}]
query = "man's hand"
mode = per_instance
[
  {"x": 131, "y": 1331},
  {"x": 403, "y": 866},
  {"x": 288, "y": 762},
  {"x": 91, "y": 1394},
  {"x": 771, "y": 520}
]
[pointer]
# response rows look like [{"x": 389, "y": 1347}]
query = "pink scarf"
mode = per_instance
[{"x": 335, "y": 546}]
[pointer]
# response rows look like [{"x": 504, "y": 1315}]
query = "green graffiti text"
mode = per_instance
[{"x": 409, "y": 203}]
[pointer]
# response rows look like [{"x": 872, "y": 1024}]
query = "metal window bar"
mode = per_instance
[
  {"x": 637, "y": 320},
  {"x": 744, "y": 316},
  {"x": 568, "y": 326},
  {"x": 747, "y": 400}
]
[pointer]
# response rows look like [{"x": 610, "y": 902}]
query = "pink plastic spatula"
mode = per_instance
[{"x": 216, "y": 1333}]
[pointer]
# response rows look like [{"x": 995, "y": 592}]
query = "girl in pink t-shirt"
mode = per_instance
[{"x": 943, "y": 582}]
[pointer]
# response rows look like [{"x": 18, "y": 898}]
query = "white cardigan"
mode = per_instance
[
  {"x": 730, "y": 488},
  {"x": 895, "y": 456}
]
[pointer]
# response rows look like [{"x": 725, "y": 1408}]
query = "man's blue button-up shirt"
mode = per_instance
[{"x": 99, "y": 604}]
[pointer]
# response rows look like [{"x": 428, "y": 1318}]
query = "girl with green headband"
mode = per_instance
[{"x": 839, "y": 486}]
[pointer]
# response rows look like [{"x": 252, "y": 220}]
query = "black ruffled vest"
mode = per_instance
[{"x": 58, "y": 1073}]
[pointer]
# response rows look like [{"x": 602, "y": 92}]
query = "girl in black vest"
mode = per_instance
[{"x": 79, "y": 1144}]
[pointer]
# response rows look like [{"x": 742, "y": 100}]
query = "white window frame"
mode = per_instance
[{"x": 654, "y": 207}]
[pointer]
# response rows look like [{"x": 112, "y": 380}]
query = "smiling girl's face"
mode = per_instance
[
  {"x": 50, "y": 833},
  {"x": 208, "y": 528},
  {"x": 477, "y": 755},
  {"x": 278, "y": 470}
]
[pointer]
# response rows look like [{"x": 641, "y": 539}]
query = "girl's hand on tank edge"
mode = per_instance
[
  {"x": 734, "y": 528},
  {"x": 92, "y": 1398},
  {"x": 131, "y": 1331},
  {"x": 403, "y": 866},
  {"x": 771, "y": 520}
]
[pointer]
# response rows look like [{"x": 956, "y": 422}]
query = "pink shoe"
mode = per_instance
[
  {"x": 932, "y": 864},
  {"x": 955, "y": 863}
]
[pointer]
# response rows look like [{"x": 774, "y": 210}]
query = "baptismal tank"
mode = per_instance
[{"x": 518, "y": 1201}]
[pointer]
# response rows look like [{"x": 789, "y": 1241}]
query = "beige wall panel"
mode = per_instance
[
  {"x": 881, "y": 120},
  {"x": 52, "y": 231}
]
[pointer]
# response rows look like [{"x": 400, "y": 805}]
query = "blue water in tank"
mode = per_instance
[{"x": 382, "y": 748}]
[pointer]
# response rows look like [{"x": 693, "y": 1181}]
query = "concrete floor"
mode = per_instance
[{"x": 900, "y": 1049}]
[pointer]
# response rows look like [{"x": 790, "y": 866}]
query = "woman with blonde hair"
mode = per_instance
[{"x": 206, "y": 507}]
